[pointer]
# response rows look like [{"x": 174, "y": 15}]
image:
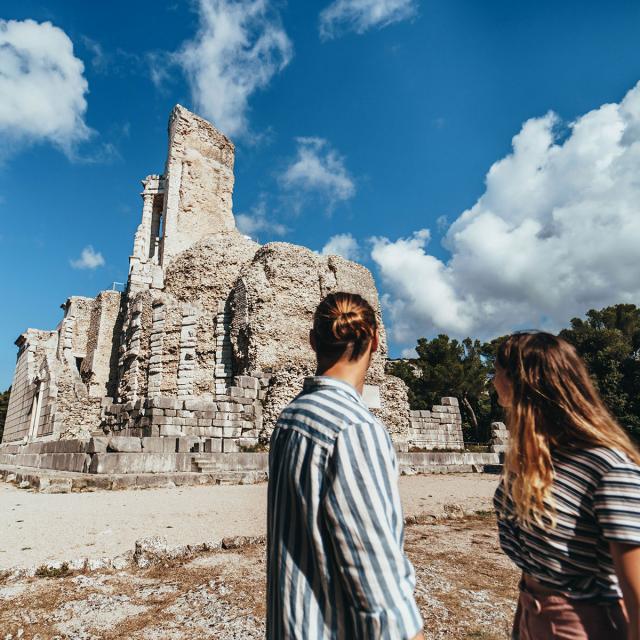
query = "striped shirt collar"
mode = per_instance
[{"x": 315, "y": 383}]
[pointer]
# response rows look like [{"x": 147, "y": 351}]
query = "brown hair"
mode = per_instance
[
  {"x": 344, "y": 323},
  {"x": 554, "y": 404}
]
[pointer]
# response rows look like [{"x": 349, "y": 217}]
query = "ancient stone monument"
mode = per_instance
[{"x": 205, "y": 346}]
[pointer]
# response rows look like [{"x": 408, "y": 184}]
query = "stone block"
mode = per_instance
[
  {"x": 199, "y": 404},
  {"x": 159, "y": 445},
  {"x": 449, "y": 402},
  {"x": 230, "y": 445},
  {"x": 185, "y": 444},
  {"x": 123, "y": 444},
  {"x": 98, "y": 444},
  {"x": 231, "y": 432},
  {"x": 247, "y": 382},
  {"x": 371, "y": 396},
  {"x": 245, "y": 442},
  {"x": 213, "y": 445},
  {"x": 125, "y": 463},
  {"x": 164, "y": 402},
  {"x": 170, "y": 430}
]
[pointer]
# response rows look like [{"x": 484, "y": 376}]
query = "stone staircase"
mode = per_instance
[
  {"x": 205, "y": 464},
  {"x": 212, "y": 468}
]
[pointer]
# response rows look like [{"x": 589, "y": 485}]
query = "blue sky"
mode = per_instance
[{"x": 348, "y": 121}]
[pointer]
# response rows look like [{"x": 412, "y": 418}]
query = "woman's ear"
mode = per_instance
[{"x": 312, "y": 340}]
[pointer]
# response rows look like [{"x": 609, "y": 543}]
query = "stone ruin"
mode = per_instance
[{"x": 208, "y": 342}]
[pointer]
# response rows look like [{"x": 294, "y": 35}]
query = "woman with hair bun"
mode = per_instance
[
  {"x": 336, "y": 567},
  {"x": 568, "y": 503}
]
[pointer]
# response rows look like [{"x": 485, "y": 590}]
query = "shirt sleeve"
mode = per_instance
[
  {"x": 617, "y": 504},
  {"x": 364, "y": 520}
]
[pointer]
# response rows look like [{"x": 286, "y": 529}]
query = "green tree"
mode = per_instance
[
  {"x": 447, "y": 367},
  {"x": 609, "y": 342},
  {"x": 4, "y": 404}
]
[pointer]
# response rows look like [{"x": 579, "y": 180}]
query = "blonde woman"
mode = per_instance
[{"x": 568, "y": 504}]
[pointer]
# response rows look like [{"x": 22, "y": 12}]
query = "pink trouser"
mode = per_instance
[{"x": 543, "y": 615}]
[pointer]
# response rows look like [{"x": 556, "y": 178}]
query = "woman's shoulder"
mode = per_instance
[{"x": 598, "y": 459}]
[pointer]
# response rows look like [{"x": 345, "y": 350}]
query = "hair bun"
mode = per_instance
[
  {"x": 344, "y": 321},
  {"x": 349, "y": 326}
]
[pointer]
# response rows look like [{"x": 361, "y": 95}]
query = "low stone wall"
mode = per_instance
[
  {"x": 130, "y": 455},
  {"x": 120, "y": 470},
  {"x": 449, "y": 462},
  {"x": 438, "y": 428}
]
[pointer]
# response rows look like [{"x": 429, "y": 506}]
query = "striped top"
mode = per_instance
[
  {"x": 335, "y": 532},
  {"x": 597, "y": 496}
]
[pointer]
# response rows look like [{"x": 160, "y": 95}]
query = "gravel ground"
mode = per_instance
[
  {"x": 466, "y": 590},
  {"x": 39, "y": 528}
]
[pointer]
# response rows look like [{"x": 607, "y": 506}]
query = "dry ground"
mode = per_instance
[
  {"x": 466, "y": 589},
  {"x": 39, "y": 528}
]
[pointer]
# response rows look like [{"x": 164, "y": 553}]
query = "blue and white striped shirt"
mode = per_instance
[{"x": 335, "y": 532}]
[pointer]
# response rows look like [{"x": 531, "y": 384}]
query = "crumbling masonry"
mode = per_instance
[{"x": 206, "y": 345}]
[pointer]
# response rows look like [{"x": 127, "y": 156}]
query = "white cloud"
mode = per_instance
[
  {"x": 318, "y": 168},
  {"x": 89, "y": 259},
  {"x": 118, "y": 61},
  {"x": 442, "y": 223},
  {"x": 239, "y": 47},
  {"x": 342, "y": 244},
  {"x": 253, "y": 223},
  {"x": 42, "y": 85},
  {"x": 361, "y": 15},
  {"x": 556, "y": 232}
]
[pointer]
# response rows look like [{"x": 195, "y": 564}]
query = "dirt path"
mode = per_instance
[
  {"x": 466, "y": 590},
  {"x": 38, "y": 528}
]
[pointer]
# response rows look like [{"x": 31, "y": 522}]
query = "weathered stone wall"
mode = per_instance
[
  {"x": 394, "y": 411},
  {"x": 274, "y": 300},
  {"x": 205, "y": 273},
  {"x": 198, "y": 183},
  {"x": 273, "y": 303},
  {"x": 439, "y": 428},
  {"x": 134, "y": 356},
  {"x": 49, "y": 391},
  {"x": 32, "y": 345},
  {"x": 78, "y": 311},
  {"x": 98, "y": 366},
  {"x": 232, "y": 421}
]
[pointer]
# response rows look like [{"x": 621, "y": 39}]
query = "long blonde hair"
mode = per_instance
[{"x": 554, "y": 405}]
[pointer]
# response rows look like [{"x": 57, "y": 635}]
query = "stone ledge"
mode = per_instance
[
  {"x": 222, "y": 468},
  {"x": 47, "y": 481}
]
